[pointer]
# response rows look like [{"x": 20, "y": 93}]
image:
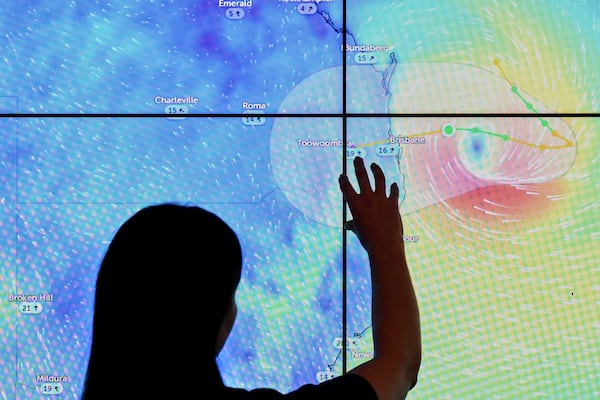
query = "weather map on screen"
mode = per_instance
[{"x": 485, "y": 112}]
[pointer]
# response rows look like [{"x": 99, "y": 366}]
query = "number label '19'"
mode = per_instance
[
  {"x": 51, "y": 388},
  {"x": 352, "y": 153}
]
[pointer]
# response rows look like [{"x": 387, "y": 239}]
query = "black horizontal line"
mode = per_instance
[{"x": 297, "y": 115}]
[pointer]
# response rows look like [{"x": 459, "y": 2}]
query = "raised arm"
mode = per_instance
[{"x": 396, "y": 326}]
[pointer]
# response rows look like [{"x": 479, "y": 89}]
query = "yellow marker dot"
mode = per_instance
[
  {"x": 496, "y": 61},
  {"x": 543, "y": 147},
  {"x": 554, "y": 133}
]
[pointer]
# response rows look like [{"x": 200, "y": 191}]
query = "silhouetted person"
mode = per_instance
[{"x": 165, "y": 304}]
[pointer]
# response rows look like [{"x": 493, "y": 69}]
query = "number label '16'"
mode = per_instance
[{"x": 388, "y": 150}]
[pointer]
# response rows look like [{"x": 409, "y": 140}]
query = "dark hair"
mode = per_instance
[{"x": 162, "y": 291}]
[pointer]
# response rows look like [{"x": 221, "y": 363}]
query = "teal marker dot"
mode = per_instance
[
  {"x": 475, "y": 130},
  {"x": 505, "y": 137},
  {"x": 545, "y": 123},
  {"x": 514, "y": 89},
  {"x": 529, "y": 106},
  {"x": 448, "y": 130}
]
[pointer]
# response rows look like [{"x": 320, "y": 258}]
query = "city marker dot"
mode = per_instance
[{"x": 448, "y": 130}]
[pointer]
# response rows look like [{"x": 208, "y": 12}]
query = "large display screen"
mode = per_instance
[{"x": 486, "y": 113}]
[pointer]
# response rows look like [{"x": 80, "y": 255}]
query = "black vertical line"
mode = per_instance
[
  {"x": 344, "y": 170},
  {"x": 17, "y": 253}
]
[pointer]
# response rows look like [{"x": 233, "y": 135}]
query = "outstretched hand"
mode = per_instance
[{"x": 377, "y": 221}]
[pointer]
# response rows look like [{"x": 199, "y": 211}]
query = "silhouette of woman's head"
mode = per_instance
[{"x": 165, "y": 285}]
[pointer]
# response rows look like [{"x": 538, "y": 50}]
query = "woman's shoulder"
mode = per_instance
[{"x": 349, "y": 387}]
